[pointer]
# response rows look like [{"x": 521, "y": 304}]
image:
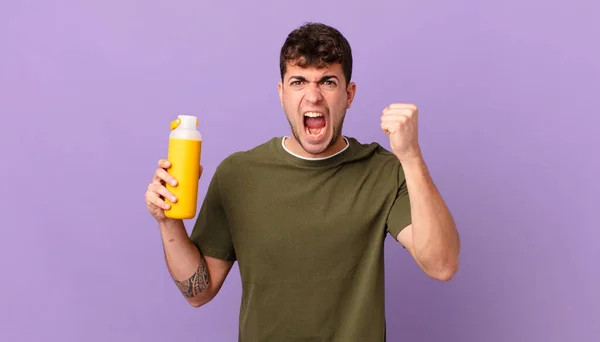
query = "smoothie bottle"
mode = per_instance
[{"x": 185, "y": 146}]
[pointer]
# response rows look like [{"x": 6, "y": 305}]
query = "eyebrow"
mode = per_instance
[{"x": 324, "y": 78}]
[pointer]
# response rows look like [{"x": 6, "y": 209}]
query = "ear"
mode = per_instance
[
  {"x": 280, "y": 90},
  {"x": 350, "y": 93}
]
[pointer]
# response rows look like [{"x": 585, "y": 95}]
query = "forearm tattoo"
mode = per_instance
[{"x": 197, "y": 283}]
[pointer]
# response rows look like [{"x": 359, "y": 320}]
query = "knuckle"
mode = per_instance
[{"x": 163, "y": 191}]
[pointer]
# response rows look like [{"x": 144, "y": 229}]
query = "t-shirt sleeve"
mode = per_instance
[
  {"x": 400, "y": 215},
  {"x": 211, "y": 232}
]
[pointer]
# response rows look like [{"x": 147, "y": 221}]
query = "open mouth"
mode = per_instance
[{"x": 314, "y": 124}]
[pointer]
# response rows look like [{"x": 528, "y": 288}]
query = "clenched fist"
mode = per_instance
[{"x": 399, "y": 121}]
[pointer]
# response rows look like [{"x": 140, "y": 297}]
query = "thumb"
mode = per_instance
[{"x": 387, "y": 128}]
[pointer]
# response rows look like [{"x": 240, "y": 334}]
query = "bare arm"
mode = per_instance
[
  {"x": 432, "y": 238},
  {"x": 198, "y": 277}
]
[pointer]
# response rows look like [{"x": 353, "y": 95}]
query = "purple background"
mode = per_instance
[{"x": 509, "y": 93}]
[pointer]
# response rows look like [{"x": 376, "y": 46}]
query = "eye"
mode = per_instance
[{"x": 296, "y": 83}]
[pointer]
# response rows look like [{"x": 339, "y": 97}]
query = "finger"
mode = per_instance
[
  {"x": 162, "y": 175},
  {"x": 162, "y": 192},
  {"x": 398, "y": 111},
  {"x": 389, "y": 128},
  {"x": 409, "y": 106},
  {"x": 163, "y": 163},
  {"x": 200, "y": 171},
  {"x": 151, "y": 192},
  {"x": 395, "y": 118},
  {"x": 153, "y": 200},
  {"x": 396, "y": 107}
]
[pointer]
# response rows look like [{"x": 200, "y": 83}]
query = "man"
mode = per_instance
[{"x": 305, "y": 216}]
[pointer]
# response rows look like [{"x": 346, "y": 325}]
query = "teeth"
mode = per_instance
[{"x": 313, "y": 114}]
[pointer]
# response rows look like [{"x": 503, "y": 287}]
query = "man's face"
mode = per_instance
[{"x": 315, "y": 103}]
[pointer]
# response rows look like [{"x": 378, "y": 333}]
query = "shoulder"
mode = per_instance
[
  {"x": 235, "y": 162},
  {"x": 373, "y": 152},
  {"x": 378, "y": 159}
]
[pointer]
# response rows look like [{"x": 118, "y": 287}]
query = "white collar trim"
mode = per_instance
[{"x": 321, "y": 158}]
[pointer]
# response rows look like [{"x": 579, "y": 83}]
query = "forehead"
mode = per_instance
[{"x": 314, "y": 72}]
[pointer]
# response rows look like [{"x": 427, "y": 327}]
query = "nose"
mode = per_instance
[{"x": 313, "y": 94}]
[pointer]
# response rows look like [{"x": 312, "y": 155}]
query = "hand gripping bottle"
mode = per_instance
[{"x": 185, "y": 146}]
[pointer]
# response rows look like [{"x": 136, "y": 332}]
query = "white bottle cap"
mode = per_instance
[{"x": 188, "y": 121}]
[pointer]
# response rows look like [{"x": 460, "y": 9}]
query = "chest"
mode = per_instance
[{"x": 311, "y": 221}]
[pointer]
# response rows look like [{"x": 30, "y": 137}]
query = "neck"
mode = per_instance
[{"x": 294, "y": 146}]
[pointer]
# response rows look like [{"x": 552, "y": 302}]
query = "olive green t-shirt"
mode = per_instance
[{"x": 308, "y": 236}]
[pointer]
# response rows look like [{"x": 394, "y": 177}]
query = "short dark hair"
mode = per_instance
[{"x": 316, "y": 45}]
